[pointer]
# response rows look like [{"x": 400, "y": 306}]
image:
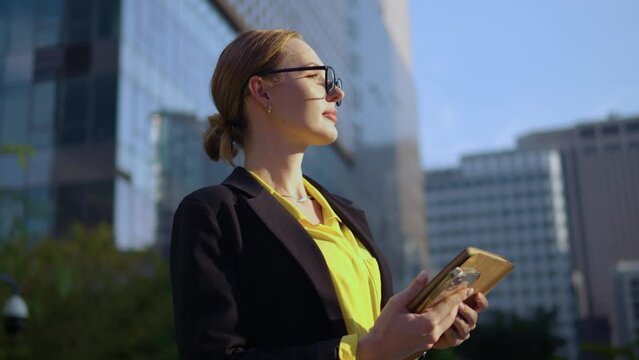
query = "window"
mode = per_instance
[
  {"x": 43, "y": 102},
  {"x": 103, "y": 127},
  {"x": 632, "y": 127},
  {"x": 108, "y": 19},
  {"x": 49, "y": 63},
  {"x": 612, "y": 129},
  {"x": 49, "y": 22},
  {"x": 612, "y": 147},
  {"x": 20, "y": 24},
  {"x": 77, "y": 59},
  {"x": 15, "y": 114},
  {"x": 73, "y": 125},
  {"x": 4, "y": 27},
  {"x": 18, "y": 67},
  {"x": 76, "y": 100},
  {"x": 587, "y": 133},
  {"x": 79, "y": 15},
  {"x": 44, "y": 108}
]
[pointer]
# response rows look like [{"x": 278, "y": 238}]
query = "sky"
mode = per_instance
[{"x": 489, "y": 71}]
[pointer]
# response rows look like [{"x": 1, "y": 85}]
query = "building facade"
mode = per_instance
[
  {"x": 58, "y": 95},
  {"x": 601, "y": 173},
  {"x": 626, "y": 290},
  {"x": 93, "y": 86},
  {"x": 511, "y": 203}
]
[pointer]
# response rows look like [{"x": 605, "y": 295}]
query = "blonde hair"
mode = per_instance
[{"x": 250, "y": 53}]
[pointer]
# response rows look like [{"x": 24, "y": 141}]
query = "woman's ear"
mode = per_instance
[{"x": 257, "y": 90}]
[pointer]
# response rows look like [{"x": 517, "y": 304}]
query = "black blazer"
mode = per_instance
[{"x": 249, "y": 282}]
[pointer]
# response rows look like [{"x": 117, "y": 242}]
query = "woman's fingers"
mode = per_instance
[
  {"x": 454, "y": 337},
  {"x": 462, "y": 327},
  {"x": 482, "y": 302},
  {"x": 412, "y": 289},
  {"x": 445, "y": 311},
  {"x": 469, "y": 316},
  {"x": 478, "y": 302},
  {"x": 454, "y": 301}
]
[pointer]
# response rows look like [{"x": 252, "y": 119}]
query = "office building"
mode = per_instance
[
  {"x": 601, "y": 174},
  {"x": 179, "y": 165},
  {"x": 626, "y": 292},
  {"x": 81, "y": 82},
  {"x": 91, "y": 84},
  {"x": 511, "y": 203}
]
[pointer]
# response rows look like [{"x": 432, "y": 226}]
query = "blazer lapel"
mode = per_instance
[
  {"x": 355, "y": 219},
  {"x": 295, "y": 238}
]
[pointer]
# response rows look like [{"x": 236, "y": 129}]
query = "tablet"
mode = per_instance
[{"x": 473, "y": 267}]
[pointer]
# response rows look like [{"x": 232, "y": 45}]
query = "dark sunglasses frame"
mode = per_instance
[{"x": 329, "y": 86}]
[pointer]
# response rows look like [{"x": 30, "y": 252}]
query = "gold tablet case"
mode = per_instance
[{"x": 492, "y": 267}]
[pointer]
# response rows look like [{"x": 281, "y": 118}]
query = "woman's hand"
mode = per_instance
[
  {"x": 398, "y": 333},
  {"x": 465, "y": 322}
]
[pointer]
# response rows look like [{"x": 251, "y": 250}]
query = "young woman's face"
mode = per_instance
[{"x": 302, "y": 110}]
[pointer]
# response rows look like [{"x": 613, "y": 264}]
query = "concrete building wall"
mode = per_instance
[
  {"x": 601, "y": 173},
  {"x": 626, "y": 292},
  {"x": 511, "y": 203}
]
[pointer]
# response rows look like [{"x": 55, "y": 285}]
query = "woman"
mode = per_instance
[{"x": 269, "y": 264}]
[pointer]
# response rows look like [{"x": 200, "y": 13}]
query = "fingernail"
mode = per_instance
[
  {"x": 462, "y": 306},
  {"x": 470, "y": 291},
  {"x": 423, "y": 276}
]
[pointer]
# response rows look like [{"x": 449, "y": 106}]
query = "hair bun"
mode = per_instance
[
  {"x": 218, "y": 139},
  {"x": 216, "y": 120}
]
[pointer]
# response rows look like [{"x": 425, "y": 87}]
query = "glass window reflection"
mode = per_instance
[
  {"x": 43, "y": 102},
  {"x": 20, "y": 24},
  {"x": 103, "y": 126},
  {"x": 15, "y": 114},
  {"x": 78, "y": 21},
  {"x": 76, "y": 99},
  {"x": 50, "y": 14}
]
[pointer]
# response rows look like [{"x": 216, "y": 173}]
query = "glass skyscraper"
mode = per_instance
[
  {"x": 168, "y": 51},
  {"x": 81, "y": 81},
  {"x": 58, "y": 94},
  {"x": 107, "y": 93}
]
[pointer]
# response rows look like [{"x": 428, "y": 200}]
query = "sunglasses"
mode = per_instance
[{"x": 331, "y": 81}]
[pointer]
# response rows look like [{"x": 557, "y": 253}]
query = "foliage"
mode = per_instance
[
  {"x": 607, "y": 351},
  {"x": 87, "y": 300},
  {"x": 509, "y": 336},
  {"x": 22, "y": 151}
]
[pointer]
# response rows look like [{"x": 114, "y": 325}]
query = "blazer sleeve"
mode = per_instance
[{"x": 204, "y": 277}]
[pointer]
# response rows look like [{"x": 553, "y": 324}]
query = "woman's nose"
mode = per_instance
[{"x": 336, "y": 95}]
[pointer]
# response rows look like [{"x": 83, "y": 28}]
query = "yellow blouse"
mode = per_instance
[{"x": 355, "y": 273}]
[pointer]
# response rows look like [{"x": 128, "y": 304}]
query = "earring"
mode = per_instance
[{"x": 269, "y": 109}]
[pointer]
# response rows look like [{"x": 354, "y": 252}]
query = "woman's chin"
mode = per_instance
[{"x": 329, "y": 137}]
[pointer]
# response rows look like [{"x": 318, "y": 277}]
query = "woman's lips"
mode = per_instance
[{"x": 331, "y": 115}]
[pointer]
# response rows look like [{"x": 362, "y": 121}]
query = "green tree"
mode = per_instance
[
  {"x": 608, "y": 351},
  {"x": 87, "y": 300},
  {"x": 509, "y": 336}
]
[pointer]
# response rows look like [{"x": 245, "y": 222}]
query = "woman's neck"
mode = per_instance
[{"x": 280, "y": 169}]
